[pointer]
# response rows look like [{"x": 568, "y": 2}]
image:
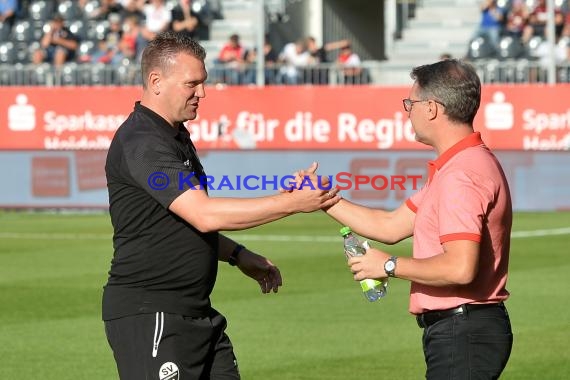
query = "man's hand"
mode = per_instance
[
  {"x": 370, "y": 265},
  {"x": 300, "y": 176},
  {"x": 304, "y": 178},
  {"x": 310, "y": 199},
  {"x": 312, "y": 193},
  {"x": 261, "y": 270}
]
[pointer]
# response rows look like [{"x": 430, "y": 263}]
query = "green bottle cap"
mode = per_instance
[{"x": 345, "y": 231}]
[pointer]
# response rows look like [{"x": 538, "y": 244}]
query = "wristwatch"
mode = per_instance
[
  {"x": 390, "y": 266},
  {"x": 232, "y": 260}
]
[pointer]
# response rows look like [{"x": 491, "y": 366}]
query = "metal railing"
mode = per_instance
[
  {"x": 99, "y": 74},
  {"x": 89, "y": 74},
  {"x": 519, "y": 71}
]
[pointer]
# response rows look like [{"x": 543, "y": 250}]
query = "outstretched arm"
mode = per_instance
[
  {"x": 388, "y": 227},
  {"x": 226, "y": 214}
]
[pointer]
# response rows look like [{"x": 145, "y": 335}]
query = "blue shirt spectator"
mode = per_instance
[
  {"x": 492, "y": 17},
  {"x": 8, "y": 10}
]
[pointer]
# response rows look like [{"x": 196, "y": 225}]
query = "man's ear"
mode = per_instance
[
  {"x": 154, "y": 82},
  {"x": 432, "y": 109}
]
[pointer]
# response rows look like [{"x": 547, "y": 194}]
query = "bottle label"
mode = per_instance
[{"x": 369, "y": 284}]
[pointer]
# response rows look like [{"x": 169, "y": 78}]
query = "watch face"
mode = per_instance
[{"x": 389, "y": 266}]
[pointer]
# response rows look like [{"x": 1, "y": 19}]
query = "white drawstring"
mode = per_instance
[{"x": 155, "y": 341}]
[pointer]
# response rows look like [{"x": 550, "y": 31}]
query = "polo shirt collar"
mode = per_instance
[
  {"x": 158, "y": 120},
  {"x": 472, "y": 140}
]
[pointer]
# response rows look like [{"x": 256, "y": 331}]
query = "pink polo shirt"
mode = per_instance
[{"x": 466, "y": 197}]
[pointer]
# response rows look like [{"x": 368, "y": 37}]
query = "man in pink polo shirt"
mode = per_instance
[{"x": 461, "y": 223}]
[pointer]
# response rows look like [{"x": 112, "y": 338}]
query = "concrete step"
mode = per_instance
[
  {"x": 233, "y": 4},
  {"x": 450, "y": 3},
  {"x": 213, "y": 48},
  {"x": 439, "y": 26},
  {"x": 421, "y": 46},
  {"x": 222, "y": 29},
  {"x": 413, "y": 60},
  {"x": 442, "y": 24},
  {"x": 448, "y": 13},
  {"x": 411, "y": 63},
  {"x": 393, "y": 75},
  {"x": 239, "y": 10},
  {"x": 406, "y": 55},
  {"x": 461, "y": 34}
]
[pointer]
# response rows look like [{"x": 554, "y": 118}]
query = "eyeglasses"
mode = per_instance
[{"x": 408, "y": 103}]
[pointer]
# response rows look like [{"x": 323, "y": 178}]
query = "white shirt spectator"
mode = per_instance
[
  {"x": 561, "y": 53},
  {"x": 157, "y": 16},
  {"x": 353, "y": 60},
  {"x": 294, "y": 56}
]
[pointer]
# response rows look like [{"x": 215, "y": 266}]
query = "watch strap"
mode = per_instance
[
  {"x": 232, "y": 260},
  {"x": 391, "y": 273}
]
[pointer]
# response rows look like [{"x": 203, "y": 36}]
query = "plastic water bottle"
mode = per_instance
[{"x": 372, "y": 289}]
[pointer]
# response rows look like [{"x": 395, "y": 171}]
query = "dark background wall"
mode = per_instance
[{"x": 361, "y": 21}]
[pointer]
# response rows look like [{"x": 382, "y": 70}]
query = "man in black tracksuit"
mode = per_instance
[{"x": 156, "y": 306}]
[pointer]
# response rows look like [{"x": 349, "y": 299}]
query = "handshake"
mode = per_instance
[{"x": 311, "y": 192}]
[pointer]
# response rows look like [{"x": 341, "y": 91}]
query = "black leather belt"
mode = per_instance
[{"x": 430, "y": 317}]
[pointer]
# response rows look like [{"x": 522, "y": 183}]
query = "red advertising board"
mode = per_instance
[{"x": 512, "y": 117}]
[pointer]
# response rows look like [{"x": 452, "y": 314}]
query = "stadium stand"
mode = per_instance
[
  {"x": 7, "y": 52},
  {"x": 435, "y": 27}
]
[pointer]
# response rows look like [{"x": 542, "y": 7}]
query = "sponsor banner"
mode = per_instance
[
  {"x": 513, "y": 117},
  {"x": 50, "y": 176},
  {"x": 90, "y": 169},
  {"x": 61, "y": 179}
]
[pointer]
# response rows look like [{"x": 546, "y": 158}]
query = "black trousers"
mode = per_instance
[
  {"x": 473, "y": 345},
  {"x": 162, "y": 346}
]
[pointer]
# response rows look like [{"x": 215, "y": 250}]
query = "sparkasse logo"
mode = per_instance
[
  {"x": 499, "y": 115},
  {"x": 21, "y": 115}
]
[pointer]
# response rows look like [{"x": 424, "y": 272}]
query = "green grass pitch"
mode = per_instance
[{"x": 319, "y": 326}]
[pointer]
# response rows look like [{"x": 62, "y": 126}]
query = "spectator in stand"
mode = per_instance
[
  {"x": 351, "y": 65},
  {"x": 537, "y": 19},
  {"x": 115, "y": 32},
  {"x": 184, "y": 19},
  {"x": 133, "y": 8},
  {"x": 132, "y": 41},
  {"x": 517, "y": 18},
  {"x": 231, "y": 61},
  {"x": 271, "y": 56},
  {"x": 566, "y": 29},
  {"x": 232, "y": 51},
  {"x": 137, "y": 3},
  {"x": 295, "y": 57},
  {"x": 318, "y": 53},
  {"x": 320, "y": 75},
  {"x": 58, "y": 45},
  {"x": 101, "y": 54},
  {"x": 109, "y": 46},
  {"x": 8, "y": 12},
  {"x": 490, "y": 27},
  {"x": 565, "y": 9},
  {"x": 157, "y": 18},
  {"x": 107, "y": 8},
  {"x": 270, "y": 60},
  {"x": 542, "y": 53}
]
